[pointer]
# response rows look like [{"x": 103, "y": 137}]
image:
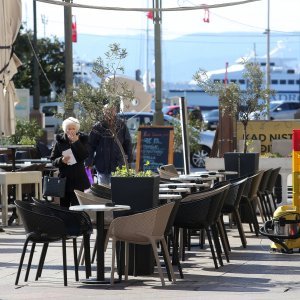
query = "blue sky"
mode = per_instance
[{"x": 251, "y": 17}]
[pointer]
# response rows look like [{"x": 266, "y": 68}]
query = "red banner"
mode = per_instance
[{"x": 74, "y": 30}]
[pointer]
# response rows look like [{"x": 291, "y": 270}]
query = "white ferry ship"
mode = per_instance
[{"x": 284, "y": 78}]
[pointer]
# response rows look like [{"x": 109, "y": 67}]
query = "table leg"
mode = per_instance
[
  {"x": 100, "y": 279},
  {"x": 4, "y": 205}
]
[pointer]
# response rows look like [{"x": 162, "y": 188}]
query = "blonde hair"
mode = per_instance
[{"x": 70, "y": 121}]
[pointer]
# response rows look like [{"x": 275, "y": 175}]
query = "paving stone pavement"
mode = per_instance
[{"x": 252, "y": 273}]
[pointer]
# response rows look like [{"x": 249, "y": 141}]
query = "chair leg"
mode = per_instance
[
  {"x": 113, "y": 255},
  {"x": 21, "y": 261},
  {"x": 75, "y": 259},
  {"x": 30, "y": 261},
  {"x": 41, "y": 261},
  {"x": 167, "y": 259},
  {"x": 224, "y": 239},
  {"x": 175, "y": 254},
  {"x": 81, "y": 254},
  {"x": 87, "y": 255},
  {"x": 64, "y": 261},
  {"x": 223, "y": 231},
  {"x": 95, "y": 250},
  {"x": 126, "y": 260},
  {"x": 164, "y": 253},
  {"x": 239, "y": 225},
  {"x": 154, "y": 247},
  {"x": 216, "y": 240},
  {"x": 211, "y": 248}
]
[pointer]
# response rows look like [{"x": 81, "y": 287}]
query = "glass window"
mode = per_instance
[
  {"x": 49, "y": 111},
  {"x": 290, "y": 81},
  {"x": 282, "y": 81}
]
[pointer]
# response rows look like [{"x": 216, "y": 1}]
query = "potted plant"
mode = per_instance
[
  {"x": 242, "y": 104},
  {"x": 140, "y": 191}
]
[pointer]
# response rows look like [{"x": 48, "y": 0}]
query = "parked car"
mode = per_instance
[
  {"x": 205, "y": 141},
  {"x": 211, "y": 119},
  {"x": 279, "y": 110}
]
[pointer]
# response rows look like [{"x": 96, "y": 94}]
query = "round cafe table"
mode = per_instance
[{"x": 99, "y": 209}]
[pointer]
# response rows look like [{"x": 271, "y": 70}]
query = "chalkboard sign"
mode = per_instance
[{"x": 154, "y": 144}]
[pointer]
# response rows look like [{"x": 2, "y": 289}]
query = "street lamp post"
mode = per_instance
[
  {"x": 68, "y": 56},
  {"x": 158, "y": 118}
]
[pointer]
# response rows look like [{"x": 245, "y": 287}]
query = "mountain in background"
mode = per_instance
[{"x": 183, "y": 56}]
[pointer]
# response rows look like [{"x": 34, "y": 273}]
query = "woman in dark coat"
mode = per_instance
[{"x": 73, "y": 171}]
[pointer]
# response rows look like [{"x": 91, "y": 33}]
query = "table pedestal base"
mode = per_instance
[{"x": 96, "y": 281}]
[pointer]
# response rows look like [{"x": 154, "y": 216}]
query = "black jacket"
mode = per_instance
[
  {"x": 75, "y": 174},
  {"x": 105, "y": 154}
]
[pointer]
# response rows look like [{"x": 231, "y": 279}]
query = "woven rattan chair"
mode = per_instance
[
  {"x": 145, "y": 228},
  {"x": 167, "y": 171},
  {"x": 44, "y": 226}
]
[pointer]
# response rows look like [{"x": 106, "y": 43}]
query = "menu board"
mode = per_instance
[{"x": 155, "y": 144}]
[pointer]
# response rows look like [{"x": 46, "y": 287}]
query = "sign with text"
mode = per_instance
[
  {"x": 156, "y": 145},
  {"x": 267, "y": 131}
]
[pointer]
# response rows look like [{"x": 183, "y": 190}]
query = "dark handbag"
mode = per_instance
[{"x": 54, "y": 186}]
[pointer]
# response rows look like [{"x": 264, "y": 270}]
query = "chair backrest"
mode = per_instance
[
  {"x": 234, "y": 194},
  {"x": 90, "y": 199},
  {"x": 39, "y": 222},
  {"x": 255, "y": 182},
  {"x": 101, "y": 190},
  {"x": 272, "y": 179},
  {"x": 264, "y": 180},
  {"x": 167, "y": 171},
  {"x": 77, "y": 222},
  {"x": 43, "y": 150},
  {"x": 162, "y": 214},
  {"x": 200, "y": 207}
]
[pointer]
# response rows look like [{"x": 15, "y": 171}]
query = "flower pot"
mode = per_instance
[{"x": 244, "y": 163}]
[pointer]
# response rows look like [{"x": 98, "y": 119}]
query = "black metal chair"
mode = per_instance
[
  {"x": 269, "y": 191},
  {"x": 86, "y": 228},
  {"x": 45, "y": 225},
  {"x": 231, "y": 206},
  {"x": 201, "y": 211},
  {"x": 248, "y": 203},
  {"x": 265, "y": 204}
]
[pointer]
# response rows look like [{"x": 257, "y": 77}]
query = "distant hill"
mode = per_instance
[{"x": 183, "y": 56}]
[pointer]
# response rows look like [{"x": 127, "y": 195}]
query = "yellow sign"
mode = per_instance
[{"x": 266, "y": 131}]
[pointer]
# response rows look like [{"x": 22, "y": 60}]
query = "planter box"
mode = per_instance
[
  {"x": 244, "y": 163},
  {"x": 140, "y": 193}
]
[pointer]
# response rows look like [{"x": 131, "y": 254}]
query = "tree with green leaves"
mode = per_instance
[
  {"x": 103, "y": 102},
  {"x": 50, "y": 53},
  {"x": 235, "y": 101}
]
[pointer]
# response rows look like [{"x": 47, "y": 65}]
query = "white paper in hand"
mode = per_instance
[{"x": 69, "y": 153}]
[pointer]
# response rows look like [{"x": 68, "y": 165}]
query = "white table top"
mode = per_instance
[
  {"x": 99, "y": 207},
  {"x": 169, "y": 196},
  {"x": 184, "y": 184},
  {"x": 190, "y": 177},
  {"x": 174, "y": 190}
]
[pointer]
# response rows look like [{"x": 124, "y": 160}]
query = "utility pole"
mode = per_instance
[
  {"x": 268, "y": 79},
  {"x": 45, "y": 22},
  {"x": 68, "y": 56},
  {"x": 35, "y": 114},
  {"x": 158, "y": 118}
]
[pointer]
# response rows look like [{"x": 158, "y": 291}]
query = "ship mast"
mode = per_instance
[{"x": 268, "y": 58}]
